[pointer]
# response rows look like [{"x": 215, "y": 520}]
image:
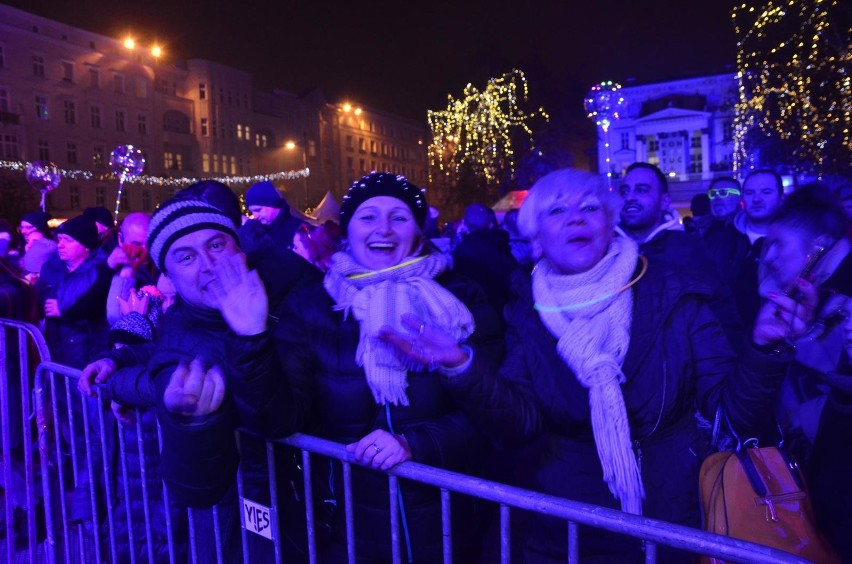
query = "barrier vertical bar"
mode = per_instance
[
  {"x": 650, "y": 552},
  {"x": 107, "y": 475},
  {"x": 447, "y": 526},
  {"x": 7, "y": 453},
  {"x": 349, "y": 512},
  {"x": 193, "y": 541},
  {"x": 573, "y": 543},
  {"x": 43, "y": 447},
  {"x": 309, "y": 506},
  {"x": 143, "y": 474},
  {"x": 393, "y": 487},
  {"x": 505, "y": 535},
  {"x": 217, "y": 534},
  {"x": 240, "y": 495},
  {"x": 29, "y": 467},
  {"x": 131, "y": 536},
  {"x": 273, "y": 497},
  {"x": 90, "y": 467}
]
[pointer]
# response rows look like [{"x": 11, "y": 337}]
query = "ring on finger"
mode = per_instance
[{"x": 377, "y": 448}]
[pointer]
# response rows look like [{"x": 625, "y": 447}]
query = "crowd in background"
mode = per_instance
[{"x": 577, "y": 346}]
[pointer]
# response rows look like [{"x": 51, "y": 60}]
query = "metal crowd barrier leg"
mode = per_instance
[
  {"x": 309, "y": 506},
  {"x": 573, "y": 543},
  {"x": 170, "y": 534},
  {"x": 650, "y": 552},
  {"x": 217, "y": 533},
  {"x": 143, "y": 474},
  {"x": 241, "y": 496},
  {"x": 446, "y": 526},
  {"x": 349, "y": 512},
  {"x": 505, "y": 535},
  {"x": 128, "y": 511},
  {"x": 90, "y": 467},
  {"x": 7, "y": 456},
  {"x": 393, "y": 487},
  {"x": 275, "y": 515},
  {"x": 106, "y": 477}
]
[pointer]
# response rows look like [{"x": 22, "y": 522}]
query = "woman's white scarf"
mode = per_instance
[
  {"x": 592, "y": 323},
  {"x": 380, "y": 299}
]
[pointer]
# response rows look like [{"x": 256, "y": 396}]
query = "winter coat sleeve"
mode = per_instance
[
  {"x": 132, "y": 387},
  {"x": 82, "y": 293}
]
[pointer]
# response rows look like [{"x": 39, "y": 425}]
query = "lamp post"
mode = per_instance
[{"x": 291, "y": 145}]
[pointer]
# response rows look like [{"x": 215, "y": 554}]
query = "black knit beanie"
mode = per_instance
[
  {"x": 83, "y": 230},
  {"x": 383, "y": 184}
]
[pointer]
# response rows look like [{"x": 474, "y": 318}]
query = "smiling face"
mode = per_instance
[
  {"x": 575, "y": 232},
  {"x": 643, "y": 202},
  {"x": 382, "y": 232},
  {"x": 189, "y": 261}
]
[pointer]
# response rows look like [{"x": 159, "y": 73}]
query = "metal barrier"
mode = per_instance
[
  {"x": 80, "y": 461},
  {"x": 22, "y": 347}
]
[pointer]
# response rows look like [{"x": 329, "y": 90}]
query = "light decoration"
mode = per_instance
[
  {"x": 126, "y": 162},
  {"x": 168, "y": 181},
  {"x": 476, "y": 129},
  {"x": 43, "y": 176},
  {"x": 605, "y": 104},
  {"x": 794, "y": 103}
]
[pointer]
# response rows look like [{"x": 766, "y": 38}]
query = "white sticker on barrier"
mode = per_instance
[{"x": 257, "y": 519}]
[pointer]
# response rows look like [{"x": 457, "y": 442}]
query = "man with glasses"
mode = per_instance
[{"x": 725, "y": 197}]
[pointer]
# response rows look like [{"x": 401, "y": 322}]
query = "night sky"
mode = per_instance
[{"x": 406, "y": 56}]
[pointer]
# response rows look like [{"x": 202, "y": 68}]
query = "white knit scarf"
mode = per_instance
[
  {"x": 592, "y": 322},
  {"x": 380, "y": 298}
]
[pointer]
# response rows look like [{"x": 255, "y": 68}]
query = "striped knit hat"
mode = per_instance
[{"x": 176, "y": 218}]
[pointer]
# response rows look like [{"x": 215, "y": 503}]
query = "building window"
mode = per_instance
[
  {"x": 350, "y": 163},
  {"x": 41, "y": 107},
  {"x": 264, "y": 140},
  {"x": 71, "y": 152},
  {"x": 653, "y": 146},
  {"x": 202, "y": 91},
  {"x": 169, "y": 160},
  {"x": 178, "y": 161},
  {"x": 215, "y": 163},
  {"x": 67, "y": 71},
  {"x": 695, "y": 142},
  {"x": 4, "y": 100},
  {"x": 100, "y": 196},
  {"x": 385, "y": 152},
  {"x": 230, "y": 99},
  {"x": 70, "y": 107},
  {"x": 2, "y": 56},
  {"x": 362, "y": 165},
  {"x": 248, "y": 132},
  {"x": 373, "y": 148},
  {"x": 38, "y": 65},
  {"x": 233, "y": 164},
  {"x": 695, "y": 162},
  {"x": 146, "y": 200},
  {"x": 142, "y": 124},
  {"x": 95, "y": 117},
  {"x": 625, "y": 140},
  {"x": 74, "y": 194},
  {"x": 43, "y": 150},
  {"x": 727, "y": 130},
  {"x": 120, "y": 125},
  {"x": 94, "y": 77},
  {"x": 362, "y": 145},
  {"x": 9, "y": 148},
  {"x": 205, "y": 162},
  {"x": 204, "y": 127},
  {"x": 98, "y": 156},
  {"x": 349, "y": 142},
  {"x": 239, "y": 131},
  {"x": 118, "y": 83},
  {"x": 312, "y": 148},
  {"x": 141, "y": 87}
]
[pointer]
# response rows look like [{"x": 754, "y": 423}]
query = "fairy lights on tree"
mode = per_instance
[
  {"x": 794, "y": 59},
  {"x": 477, "y": 138}
]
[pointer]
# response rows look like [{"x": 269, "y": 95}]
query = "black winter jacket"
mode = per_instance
[
  {"x": 317, "y": 346},
  {"x": 679, "y": 361}
]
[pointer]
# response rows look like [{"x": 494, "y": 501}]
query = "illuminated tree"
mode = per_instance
[
  {"x": 476, "y": 140},
  {"x": 794, "y": 59}
]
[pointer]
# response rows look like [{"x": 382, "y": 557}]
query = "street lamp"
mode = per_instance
[{"x": 291, "y": 145}]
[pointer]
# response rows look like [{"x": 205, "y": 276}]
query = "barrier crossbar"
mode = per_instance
[{"x": 87, "y": 480}]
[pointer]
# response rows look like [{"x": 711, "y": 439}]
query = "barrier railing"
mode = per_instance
[
  {"x": 91, "y": 485},
  {"x": 22, "y": 347}
]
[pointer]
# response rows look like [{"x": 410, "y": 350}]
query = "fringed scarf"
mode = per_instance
[
  {"x": 590, "y": 314},
  {"x": 380, "y": 298}
]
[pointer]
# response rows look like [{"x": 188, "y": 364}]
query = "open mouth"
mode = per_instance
[
  {"x": 630, "y": 208},
  {"x": 579, "y": 240},
  {"x": 381, "y": 247}
]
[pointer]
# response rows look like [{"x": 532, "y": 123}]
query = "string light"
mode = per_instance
[
  {"x": 795, "y": 92},
  {"x": 476, "y": 129},
  {"x": 165, "y": 180}
]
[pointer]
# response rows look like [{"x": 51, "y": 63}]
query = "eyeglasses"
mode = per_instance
[{"x": 714, "y": 193}]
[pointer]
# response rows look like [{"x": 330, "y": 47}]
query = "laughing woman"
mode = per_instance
[
  {"x": 351, "y": 387},
  {"x": 608, "y": 359}
]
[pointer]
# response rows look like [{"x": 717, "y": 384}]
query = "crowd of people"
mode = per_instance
[{"x": 577, "y": 346}]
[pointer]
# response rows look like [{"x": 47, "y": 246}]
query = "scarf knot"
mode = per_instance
[{"x": 379, "y": 298}]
